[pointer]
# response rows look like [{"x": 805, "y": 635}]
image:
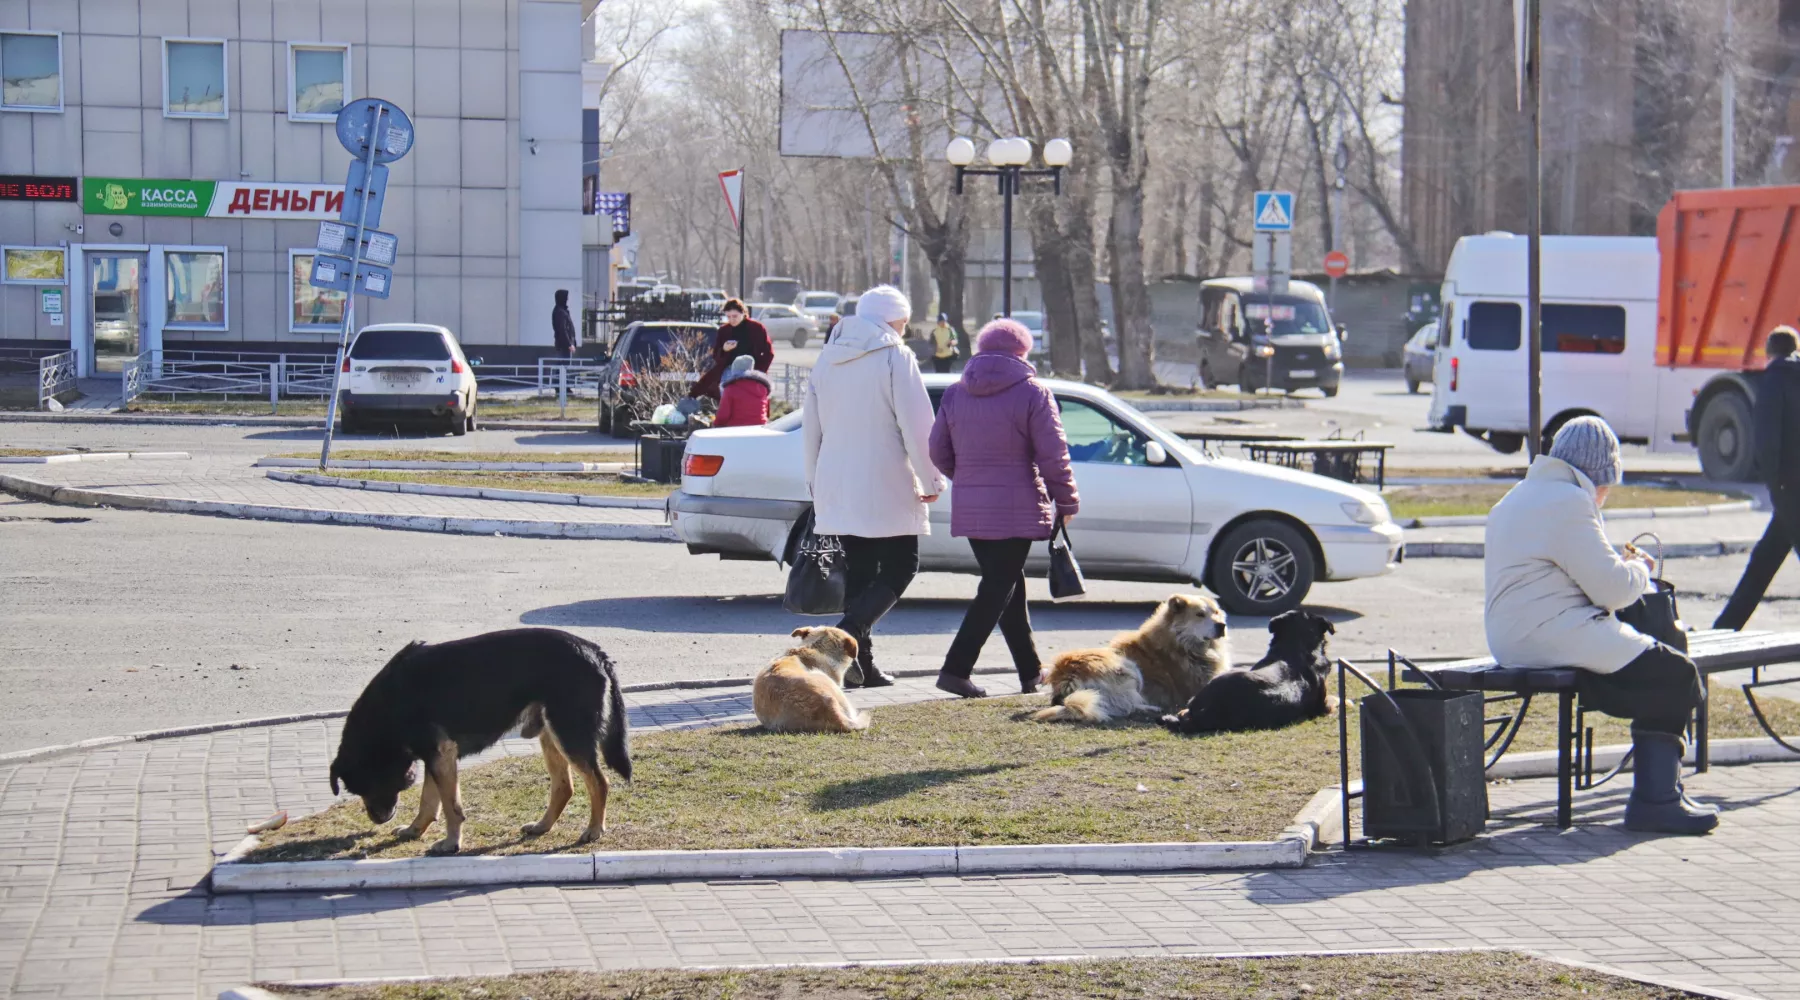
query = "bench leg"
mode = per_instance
[
  {"x": 1565, "y": 759},
  {"x": 1702, "y": 753}
]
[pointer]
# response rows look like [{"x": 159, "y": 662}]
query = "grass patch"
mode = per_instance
[
  {"x": 31, "y": 452},
  {"x": 580, "y": 412},
  {"x": 1479, "y": 498},
  {"x": 932, "y": 773},
  {"x": 423, "y": 455},
  {"x": 1176, "y": 392},
  {"x": 1457, "y": 976},
  {"x": 596, "y": 484}
]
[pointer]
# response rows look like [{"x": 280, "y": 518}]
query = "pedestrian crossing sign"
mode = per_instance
[{"x": 1274, "y": 211}]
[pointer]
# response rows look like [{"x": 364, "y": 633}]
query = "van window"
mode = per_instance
[
  {"x": 1494, "y": 326},
  {"x": 1584, "y": 329},
  {"x": 1447, "y": 326},
  {"x": 1210, "y": 301}
]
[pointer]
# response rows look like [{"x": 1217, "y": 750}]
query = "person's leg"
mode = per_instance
[
  {"x": 1015, "y": 618},
  {"x": 1657, "y": 691},
  {"x": 862, "y": 563},
  {"x": 1765, "y": 559},
  {"x": 998, "y": 579},
  {"x": 895, "y": 561}
]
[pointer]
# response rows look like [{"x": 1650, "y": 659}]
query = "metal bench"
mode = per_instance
[{"x": 1713, "y": 651}]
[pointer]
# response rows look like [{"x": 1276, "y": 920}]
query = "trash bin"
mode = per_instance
[
  {"x": 1423, "y": 779},
  {"x": 659, "y": 458}
]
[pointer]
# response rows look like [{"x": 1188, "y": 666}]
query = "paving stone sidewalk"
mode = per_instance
[{"x": 100, "y": 853}]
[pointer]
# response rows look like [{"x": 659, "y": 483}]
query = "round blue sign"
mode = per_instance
[{"x": 372, "y": 121}]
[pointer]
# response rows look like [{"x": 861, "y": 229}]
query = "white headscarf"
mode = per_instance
[{"x": 884, "y": 304}]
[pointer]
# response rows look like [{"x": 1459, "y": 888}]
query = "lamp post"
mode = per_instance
[{"x": 1008, "y": 158}]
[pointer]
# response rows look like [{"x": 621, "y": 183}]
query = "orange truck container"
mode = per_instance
[{"x": 1729, "y": 273}]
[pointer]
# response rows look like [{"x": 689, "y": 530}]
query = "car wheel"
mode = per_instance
[
  {"x": 1505, "y": 442},
  {"x": 1726, "y": 454},
  {"x": 1262, "y": 567},
  {"x": 799, "y": 338},
  {"x": 348, "y": 424},
  {"x": 606, "y": 419},
  {"x": 469, "y": 422},
  {"x": 1412, "y": 385},
  {"x": 1328, "y": 390}
]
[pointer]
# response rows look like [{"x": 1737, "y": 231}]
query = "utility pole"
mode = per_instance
[
  {"x": 1534, "y": 211},
  {"x": 1728, "y": 106}
]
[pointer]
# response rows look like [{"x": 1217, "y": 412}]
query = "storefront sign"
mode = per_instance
[
  {"x": 51, "y": 299},
  {"x": 18, "y": 187},
  {"x": 212, "y": 199}
]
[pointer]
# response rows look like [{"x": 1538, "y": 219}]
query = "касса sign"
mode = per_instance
[{"x": 213, "y": 199}]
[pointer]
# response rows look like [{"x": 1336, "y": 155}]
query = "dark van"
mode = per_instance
[{"x": 1256, "y": 340}]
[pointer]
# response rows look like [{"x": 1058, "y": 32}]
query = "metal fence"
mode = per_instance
[{"x": 49, "y": 372}]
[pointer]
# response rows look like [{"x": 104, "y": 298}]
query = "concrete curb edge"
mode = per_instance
[
  {"x": 1622, "y": 514},
  {"x": 468, "y": 492},
  {"x": 92, "y": 456},
  {"x": 1679, "y": 550},
  {"x": 426, "y": 465}
]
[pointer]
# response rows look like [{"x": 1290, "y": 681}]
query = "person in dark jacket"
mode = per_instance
[
  {"x": 743, "y": 396},
  {"x": 1776, "y": 419},
  {"x": 564, "y": 325},
  {"x": 999, "y": 439},
  {"x": 739, "y": 336}
]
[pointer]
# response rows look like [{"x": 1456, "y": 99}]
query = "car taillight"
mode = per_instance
[
  {"x": 627, "y": 377},
  {"x": 455, "y": 366},
  {"x": 1453, "y": 373},
  {"x": 346, "y": 364},
  {"x": 702, "y": 465}
]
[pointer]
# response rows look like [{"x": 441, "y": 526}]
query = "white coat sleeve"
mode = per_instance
[
  {"x": 912, "y": 408},
  {"x": 1590, "y": 560},
  {"x": 812, "y": 432}
]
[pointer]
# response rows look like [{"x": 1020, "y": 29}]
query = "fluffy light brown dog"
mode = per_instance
[
  {"x": 802, "y": 691},
  {"x": 1164, "y": 663}
]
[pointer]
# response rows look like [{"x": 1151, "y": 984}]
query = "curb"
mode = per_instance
[
  {"x": 232, "y": 876},
  {"x": 1679, "y": 550},
  {"x": 92, "y": 456},
  {"x": 1623, "y": 514},
  {"x": 427, "y": 465},
  {"x": 1214, "y": 405},
  {"x": 606, "y": 530},
  {"x": 224, "y": 420},
  {"x": 469, "y": 492}
]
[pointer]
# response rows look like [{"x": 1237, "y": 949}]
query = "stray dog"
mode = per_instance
[
  {"x": 1284, "y": 687},
  {"x": 440, "y": 702},
  {"x": 1155, "y": 669},
  {"x": 802, "y": 691}
]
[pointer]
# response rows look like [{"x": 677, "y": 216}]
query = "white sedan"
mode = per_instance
[
  {"x": 1153, "y": 508},
  {"x": 784, "y": 323}
]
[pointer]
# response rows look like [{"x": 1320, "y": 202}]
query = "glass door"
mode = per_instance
[{"x": 116, "y": 307}]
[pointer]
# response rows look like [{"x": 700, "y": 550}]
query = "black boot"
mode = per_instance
[
  {"x": 1657, "y": 804},
  {"x": 865, "y": 673},
  {"x": 860, "y": 616}
]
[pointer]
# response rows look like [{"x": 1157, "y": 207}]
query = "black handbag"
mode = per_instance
[
  {"x": 1655, "y": 613},
  {"x": 1066, "y": 582},
  {"x": 817, "y": 571}
]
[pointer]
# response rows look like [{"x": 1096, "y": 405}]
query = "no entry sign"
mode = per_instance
[{"x": 1337, "y": 264}]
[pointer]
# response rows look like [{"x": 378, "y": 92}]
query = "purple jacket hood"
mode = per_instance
[{"x": 987, "y": 374}]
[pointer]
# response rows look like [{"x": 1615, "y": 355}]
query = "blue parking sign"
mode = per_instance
[{"x": 1273, "y": 211}]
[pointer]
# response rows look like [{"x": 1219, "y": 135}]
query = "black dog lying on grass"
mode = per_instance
[
  {"x": 439, "y": 703},
  {"x": 1284, "y": 687}
]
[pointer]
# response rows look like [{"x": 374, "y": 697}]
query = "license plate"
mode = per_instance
[
  {"x": 399, "y": 381},
  {"x": 1301, "y": 373}
]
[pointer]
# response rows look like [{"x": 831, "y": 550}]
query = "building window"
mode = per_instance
[
  {"x": 1494, "y": 326},
  {"x": 35, "y": 265},
  {"x": 318, "y": 80},
  {"x": 1584, "y": 329},
  {"x": 310, "y": 309},
  {"x": 194, "y": 78},
  {"x": 31, "y": 71},
  {"x": 194, "y": 288}
]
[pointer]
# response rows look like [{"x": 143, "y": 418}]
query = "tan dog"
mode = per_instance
[
  {"x": 802, "y": 691},
  {"x": 1164, "y": 663}
]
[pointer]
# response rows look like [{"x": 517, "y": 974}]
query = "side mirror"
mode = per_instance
[{"x": 1155, "y": 453}]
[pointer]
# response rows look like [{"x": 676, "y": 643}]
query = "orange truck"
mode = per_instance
[{"x": 1729, "y": 273}]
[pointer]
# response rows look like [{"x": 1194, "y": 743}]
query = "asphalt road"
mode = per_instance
[{"x": 121, "y": 621}]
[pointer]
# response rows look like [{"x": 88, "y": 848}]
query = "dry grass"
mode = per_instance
[
  {"x": 1479, "y": 498},
  {"x": 580, "y": 412},
  {"x": 599, "y": 484},
  {"x": 933, "y": 773},
  {"x": 1457, "y": 976},
  {"x": 429, "y": 455},
  {"x": 31, "y": 452}
]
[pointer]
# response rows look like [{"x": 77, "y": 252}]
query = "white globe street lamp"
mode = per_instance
[
  {"x": 1058, "y": 153},
  {"x": 1008, "y": 157},
  {"x": 960, "y": 152}
]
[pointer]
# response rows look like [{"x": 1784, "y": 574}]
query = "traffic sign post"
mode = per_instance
[
  {"x": 1337, "y": 264},
  {"x": 354, "y": 257},
  {"x": 1272, "y": 257}
]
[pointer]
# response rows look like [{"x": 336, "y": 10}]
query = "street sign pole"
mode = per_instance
[
  {"x": 377, "y": 118},
  {"x": 1534, "y": 214}
]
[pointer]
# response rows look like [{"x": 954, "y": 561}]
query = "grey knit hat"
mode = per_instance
[{"x": 1590, "y": 445}]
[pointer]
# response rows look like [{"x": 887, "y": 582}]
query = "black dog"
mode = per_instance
[
  {"x": 1284, "y": 687},
  {"x": 438, "y": 703}
]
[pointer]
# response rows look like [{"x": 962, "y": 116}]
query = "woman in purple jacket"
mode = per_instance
[{"x": 999, "y": 439}]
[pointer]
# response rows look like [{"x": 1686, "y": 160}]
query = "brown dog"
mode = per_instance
[
  {"x": 802, "y": 691},
  {"x": 1163, "y": 663}
]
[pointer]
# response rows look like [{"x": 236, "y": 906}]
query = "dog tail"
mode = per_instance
[
  {"x": 614, "y": 724},
  {"x": 1080, "y": 706}
]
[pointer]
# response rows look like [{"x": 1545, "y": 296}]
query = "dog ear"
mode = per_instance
[
  {"x": 1330, "y": 629},
  {"x": 801, "y": 632},
  {"x": 1178, "y": 601},
  {"x": 850, "y": 647},
  {"x": 334, "y": 778}
]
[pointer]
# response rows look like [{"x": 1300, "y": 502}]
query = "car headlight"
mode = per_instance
[
  {"x": 1332, "y": 351},
  {"x": 1265, "y": 350},
  {"x": 1366, "y": 511}
]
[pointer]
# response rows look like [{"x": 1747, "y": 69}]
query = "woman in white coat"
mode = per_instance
[
  {"x": 867, "y": 426},
  {"x": 1553, "y": 583}
]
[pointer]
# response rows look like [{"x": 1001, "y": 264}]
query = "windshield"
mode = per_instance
[
  {"x": 1291, "y": 315},
  {"x": 400, "y": 345},
  {"x": 821, "y": 301},
  {"x": 652, "y": 347},
  {"x": 1031, "y": 320}
]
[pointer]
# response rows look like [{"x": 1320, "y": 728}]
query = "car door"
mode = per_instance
[
  {"x": 1136, "y": 519},
  {"x": 938, "y": 550}
]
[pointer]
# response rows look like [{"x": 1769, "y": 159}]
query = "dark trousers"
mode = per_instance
[
  {"x": 999, "y": 599},
  {"x": 1782, "y": 535},
  {"x": 1657, "y": 691},
  {"x": 941, "y": 365},
  {"x": 887, "y": 562}
]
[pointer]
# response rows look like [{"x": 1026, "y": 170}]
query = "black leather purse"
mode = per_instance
[
  {"x": 1065, "y": 573},
  {"x": 817, "y": 571},
  {"x": 1655, "y": 613}
]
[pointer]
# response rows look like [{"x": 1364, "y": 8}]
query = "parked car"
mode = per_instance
[
  {"x": 1153, "y": 508},
  {"x": 667, "y": 350},
  {"x": 1033, "y": 321},
  {"x": 820, "y": 307},
  {"x": 706, "y": 294},
  {"x": 1258, "y": 340},
  {"x": 406, "y": 372},
  {"x": 783, "y": 322},
  {"x": 1421, "y": 351}
]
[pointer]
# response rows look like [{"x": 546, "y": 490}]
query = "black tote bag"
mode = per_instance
[
  {"x": 816, "y": 572},
  {"x": 1655, "y": 613},
  {"x": 1066, "y": 582}
]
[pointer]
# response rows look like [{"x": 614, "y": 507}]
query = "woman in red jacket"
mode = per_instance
[
  {"x": 739, "y": 336},
  {"x": 743, "y": 396}
]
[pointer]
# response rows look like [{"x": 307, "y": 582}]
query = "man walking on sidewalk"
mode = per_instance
[{"x": 1776, "y": 419}]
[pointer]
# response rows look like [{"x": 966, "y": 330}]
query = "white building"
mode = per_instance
[{"x": 165, "y": 164}]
